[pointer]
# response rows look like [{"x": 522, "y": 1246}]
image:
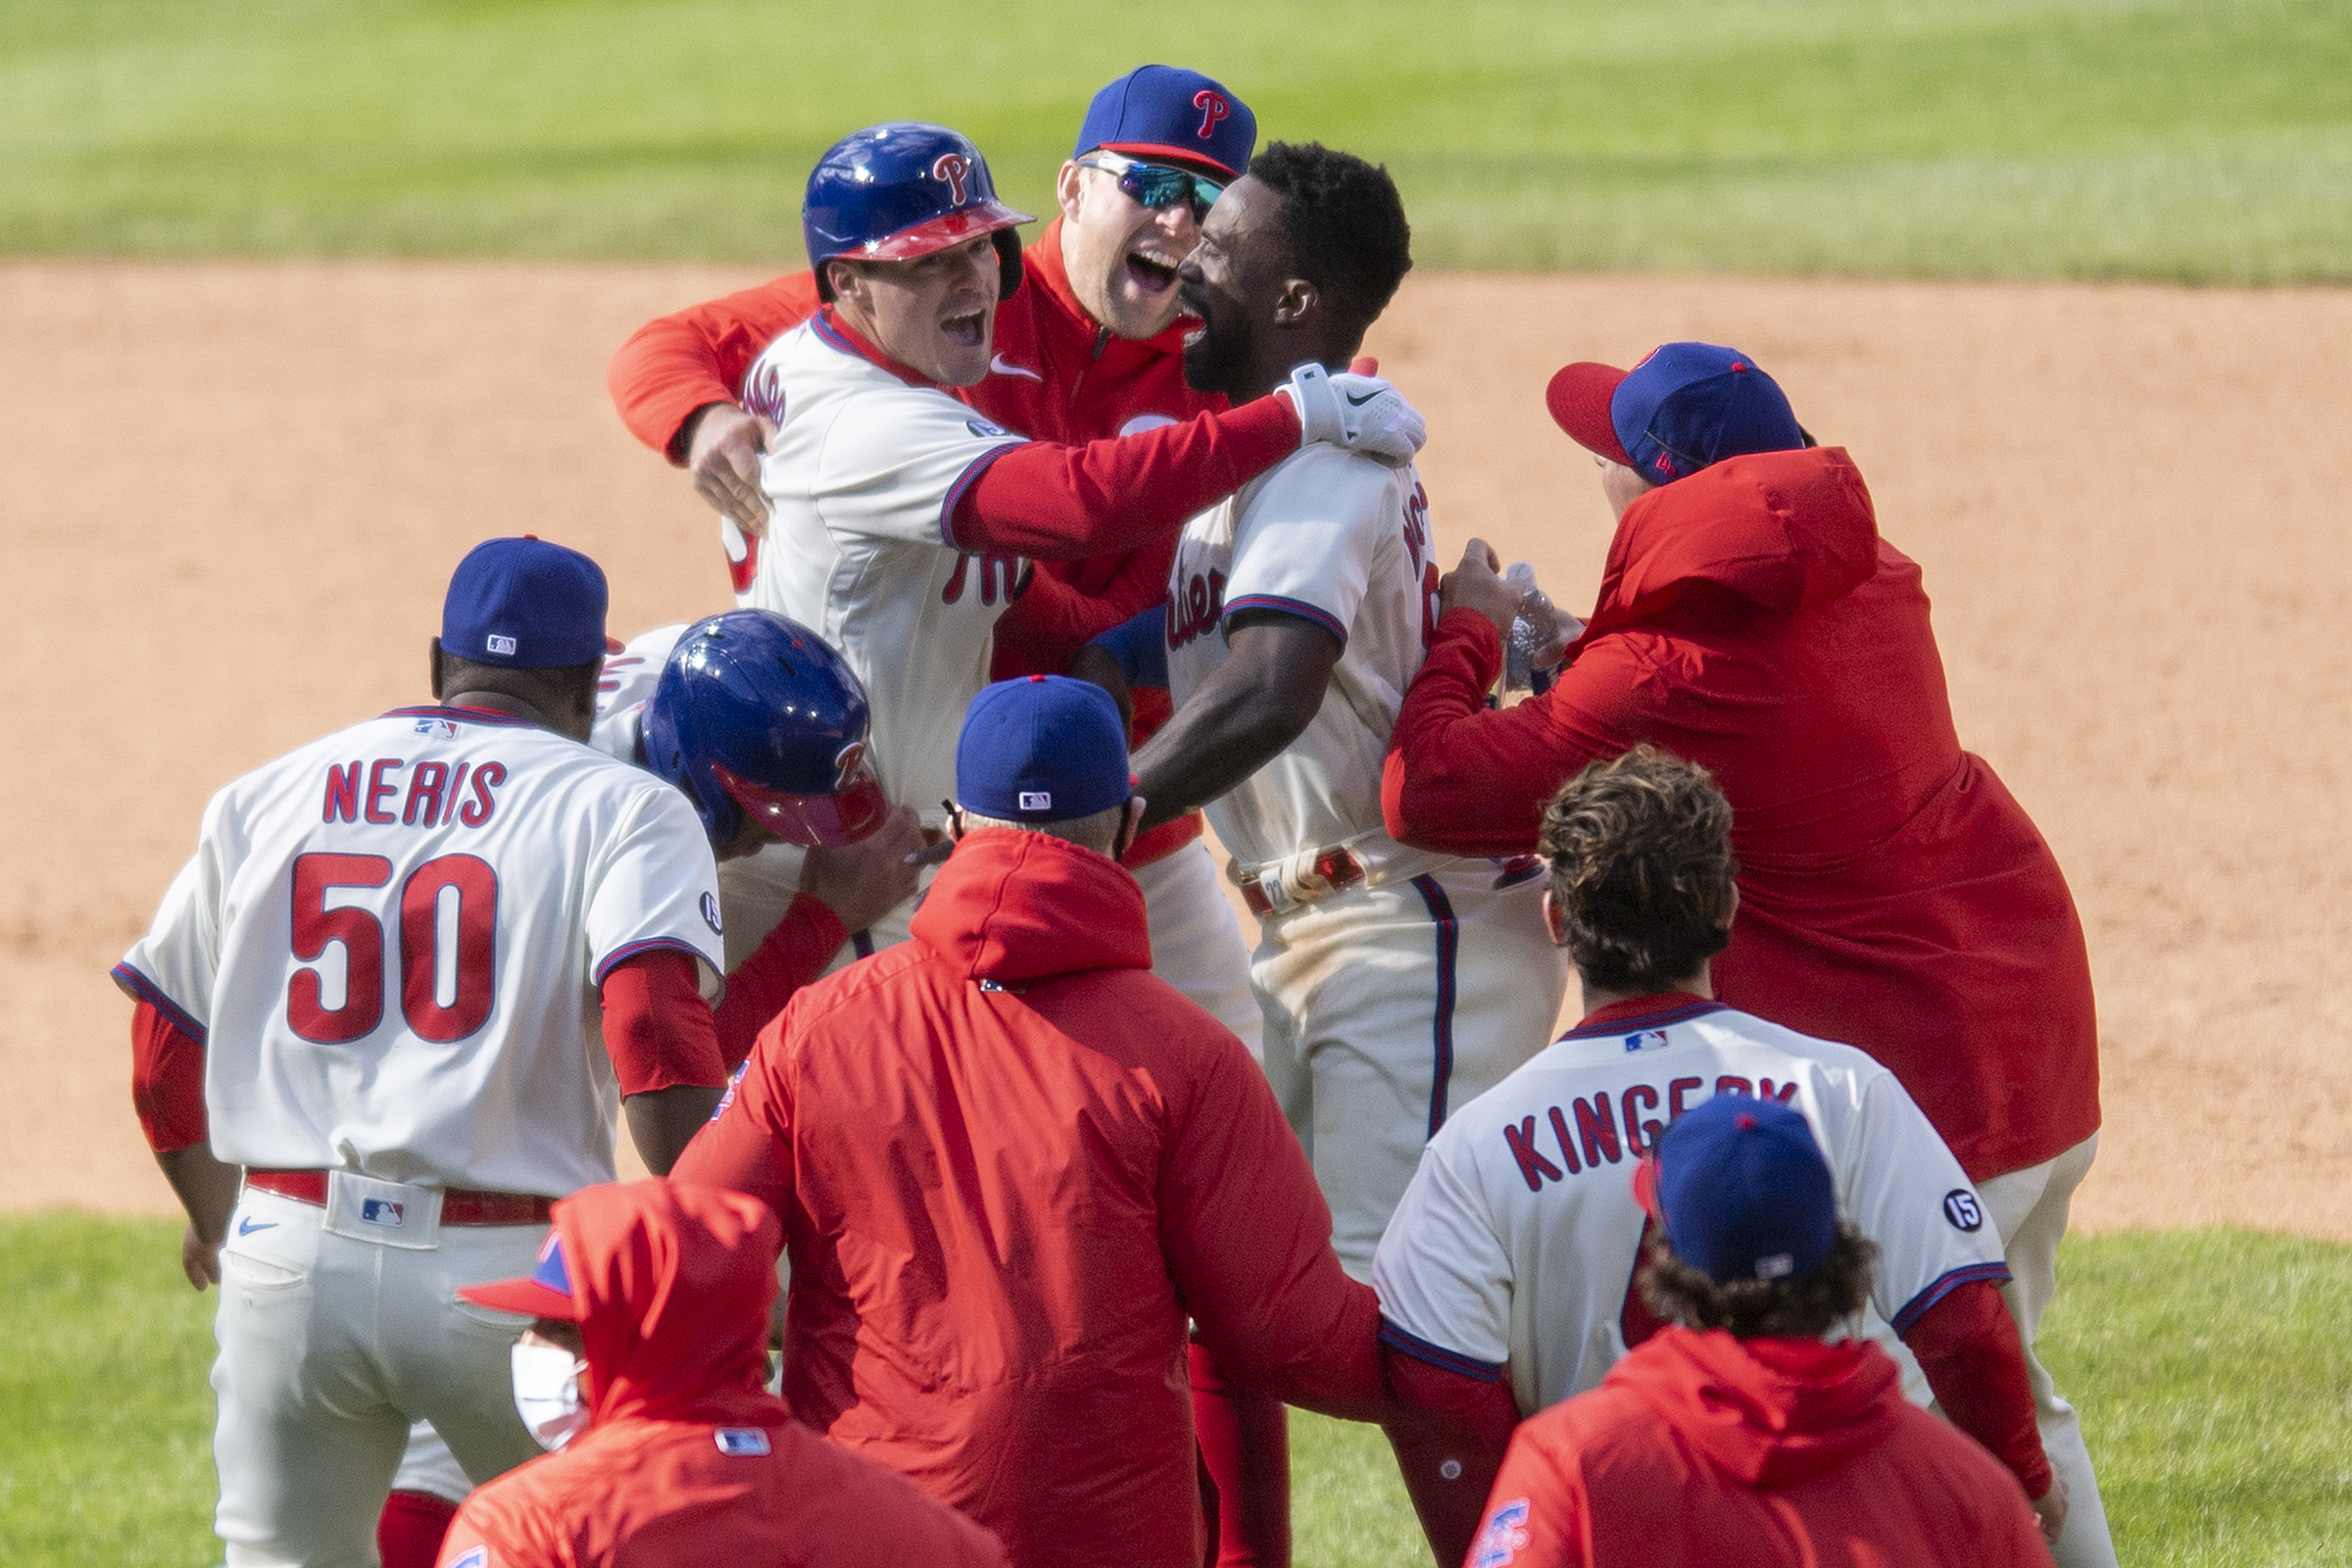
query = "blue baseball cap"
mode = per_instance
[
  {"x": 1167, "y": 111},
  {"x": 1743, "y": 1190},
  {"x": 525, "y": 604},
  {"x": 1042, "y": 749},
  {"x": 1683, "y": 406}
]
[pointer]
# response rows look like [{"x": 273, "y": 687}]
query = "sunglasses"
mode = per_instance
[{"x": 1158, "y": 186}]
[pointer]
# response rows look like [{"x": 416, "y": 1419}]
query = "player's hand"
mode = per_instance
[
  {"x": 1100, "y": 666},
  {"x": 1359, "y": 412},
  {"x": 200, "y": 1259},
  {"x": 2050, "y": 1508},
  {"x": 864, "y": 881},
  {"x": 722, "y": 455},
  {"x": 1478, "y": 584}
]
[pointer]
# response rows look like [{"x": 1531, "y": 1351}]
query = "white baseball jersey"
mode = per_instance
[
  {"x": 1345, "y": 542},
  {"x": 626, "y": 686},
  {"x": 1515, "y": 1244},
  {"x": 391, "y": 940},
  {"x": 861, "y": 479}
]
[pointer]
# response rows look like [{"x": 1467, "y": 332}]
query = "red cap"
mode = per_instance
[{"x": 1579, "y": 399}]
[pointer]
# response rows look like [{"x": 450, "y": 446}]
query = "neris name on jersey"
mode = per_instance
[
  {"x": 1595, "y": 1125},
  {"x": 433, "y": 794}
]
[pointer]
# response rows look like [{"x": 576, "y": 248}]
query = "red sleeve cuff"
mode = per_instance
[
  {"x": 790, "y": 955},
  {"x": 1967, "y": 1344},
  {"x": 166, "y": 1081},
  {"x": 658, "y": 1027}
]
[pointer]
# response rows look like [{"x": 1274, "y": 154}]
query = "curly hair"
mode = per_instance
[
  {"x": 1343, "y": 223},
  {"x": 1641, "y": 869},
  {"x": 1802, "y": 1305}
]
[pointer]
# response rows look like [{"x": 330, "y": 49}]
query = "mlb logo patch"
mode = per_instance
[
  {"x": 741, "y": 1441},
  {"x": 382, "y": 1211},
  {"x": 441, "y": 729},
  {"x": 501, "y": 645},
  {"x": 1646, "y": 1040},
  {"x": 1037, "y": 800}
]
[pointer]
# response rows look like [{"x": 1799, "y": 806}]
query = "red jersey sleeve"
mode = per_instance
[
  {"x": 1055, "y": 616},
  {"x": 1968, "y": 1346},
  {"x": 1247, "y": 1238},
  {"x": 166, "y": 1081},
  {"x": 747, "y": 1145},
  {"x": 787, "y": 958},
  {"x": 1057, "y": 503},
  {"x": 1451, "y": 1417},
  {"x": 675, "y": 363},
  {"x": 658, "y": 1027},
  {"x": 1466, "y": 779}
]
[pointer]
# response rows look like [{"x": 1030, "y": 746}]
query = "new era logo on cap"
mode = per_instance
[{"x": 1037, "y": 800}]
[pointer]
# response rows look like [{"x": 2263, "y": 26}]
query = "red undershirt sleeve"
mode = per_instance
[
  {"x": 1968, "y": 1346},
  {"x": 1057, "y": 503},
  {"x": 166, "y": 1081},
  {"x": 787, "y": 958},
  {"x": 675, "y": 363},
  {"x": 658, "y": 1027},
  {"x": 1453, "y": 1417}
]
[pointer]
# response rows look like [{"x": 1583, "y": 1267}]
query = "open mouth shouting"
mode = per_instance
[
  {"x": 1151, "y": 269},
  {"x": 968, "y": 331}
]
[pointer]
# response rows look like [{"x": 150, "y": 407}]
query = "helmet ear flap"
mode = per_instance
[{"x": 1008, "y": 265}]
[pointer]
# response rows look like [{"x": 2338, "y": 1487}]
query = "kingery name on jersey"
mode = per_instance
[
  {"x": 1596, "y": 1124},
  {"x": 436, "y": 793}
]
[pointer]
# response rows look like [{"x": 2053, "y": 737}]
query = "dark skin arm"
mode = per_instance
[
  {"x": 1262, "y": 699},
  {"x": 207, "y": 1191},
  {"x": 662, "y": 1121}
]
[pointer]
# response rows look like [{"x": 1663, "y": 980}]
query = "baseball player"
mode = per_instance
[
  {"x": 1505, "y": 1278},
  {"x": 1895, "y": 894},
  {"x": 1734, "y": 1434},
  {"x": 1087, "y": 348},
  {"x": 644, "y": 1363},
  {"x": 1396, "y": 985},
  {"x": 402, "y": 984}
]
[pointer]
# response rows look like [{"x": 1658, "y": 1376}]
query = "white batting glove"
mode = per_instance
[{"x": 1357, "y": 412}]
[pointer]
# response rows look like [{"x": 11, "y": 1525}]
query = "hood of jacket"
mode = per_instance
[
  {"x": 676, "y": 1281},
  {"x": 1766, "y": 1412},
  {"x": 1784, "y": 530},
  {"x": 1012, "y": 906}
]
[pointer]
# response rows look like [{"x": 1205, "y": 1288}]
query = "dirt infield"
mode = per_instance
[{"x": 230, "y": 496}]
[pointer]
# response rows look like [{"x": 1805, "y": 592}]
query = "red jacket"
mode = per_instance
[
  {"x": 1892, "y": 894},
  {"x": 1011, "y": 1162},
  {"x": 1700, "y": 1448},
  {"x": 689, "y": 1460},
  {"x": 1061, "y": 376}
]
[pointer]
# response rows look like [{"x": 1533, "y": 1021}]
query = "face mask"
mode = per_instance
[{"x": 547, "y": 1393}]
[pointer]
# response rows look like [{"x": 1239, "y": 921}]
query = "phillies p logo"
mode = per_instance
[
  {"x": 952, "y": 168},
  {"x": 1214, "y": 108}
]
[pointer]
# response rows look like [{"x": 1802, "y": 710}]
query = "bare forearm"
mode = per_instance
[
  {"x": 1214, "y": 742},
  {"x": 664, "y": 1121},
  {"x": 206, "y": 1188}
]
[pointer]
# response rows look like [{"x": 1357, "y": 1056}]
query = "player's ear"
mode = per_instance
[
  {"x": 435, "y": 661},
  {"x": 1065, "y": 189},
  {"x": 1295, "y": 304},
  {"x": 1554, "y": 921}
]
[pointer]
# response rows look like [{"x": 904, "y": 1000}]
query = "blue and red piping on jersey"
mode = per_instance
[
  {"x": 1622, "y": 1023},
  {"x": 147, "y": 991},
  {"x": 630, "y": 950},
  {"x": 465, "y": 716},
  {"x": 1290, "y": 606},
  {"x": 1441, "y": 1024},
  {"x": 1915, "y": 1308},
  {"x": 835, "y": 334},
  {"x": 1437, "y": 1355},
  {"x": 965, "y": 481}
]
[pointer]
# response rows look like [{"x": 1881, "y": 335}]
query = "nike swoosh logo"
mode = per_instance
[
  {"x": 1357, "y": 402},
  {"x": 1005, "y": 366},
  {"x": 246, "y": 1226}
]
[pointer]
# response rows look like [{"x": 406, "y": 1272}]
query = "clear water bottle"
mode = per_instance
[{"x": 1539, "y": 635}]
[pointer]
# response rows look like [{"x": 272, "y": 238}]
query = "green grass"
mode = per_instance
[
  {"x": 2213, "y": 1368},
  {"x": 2192, "y": 139}
]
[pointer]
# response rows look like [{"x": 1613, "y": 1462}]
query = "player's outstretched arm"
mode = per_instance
[
  {"x": 676, "y": 363},
  {"x": 1261, "y": 698}
]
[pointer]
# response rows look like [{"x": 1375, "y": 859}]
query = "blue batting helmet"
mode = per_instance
[
  {"x": 757, "y": 713},
  {"x": 903, "y": 189}
]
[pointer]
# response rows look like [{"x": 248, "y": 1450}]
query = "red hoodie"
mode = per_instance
[
  {"x": 1701, "y": 1449},
  {"x": 1892, "y": 893},
  {"x": 1058, "y": 375},
  {"x": 1011, "y": 1162},
  {"x": 689, "y": 1460}
]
